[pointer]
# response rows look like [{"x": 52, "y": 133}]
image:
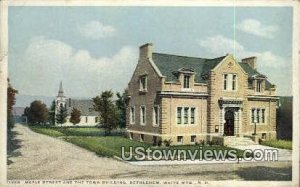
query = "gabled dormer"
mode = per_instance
[
  {"x": 186, "y": 77},
  {"x": 258, "y": 82}
]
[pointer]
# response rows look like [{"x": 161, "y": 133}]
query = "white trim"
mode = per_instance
[
  {"x": 155, "y": 67},
  {"x": 155, "y": 115},
  {"x": 145, "y": 121},
  {"x": 132, "y": 119}
]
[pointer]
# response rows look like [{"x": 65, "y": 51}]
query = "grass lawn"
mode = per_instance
[
  {"x": 93, "y": 139},
  {"x": 283, "y": 144}
]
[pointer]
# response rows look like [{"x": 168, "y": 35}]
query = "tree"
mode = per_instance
[
  {"x": 11, "y": 101},
  {"x": 52, "y": 113},
  {"x": 107, "y": 111},
  {"x": 121, "y": 105},
  {"x": 61, "y": 115},
  {"x": 37, "y": 113},
  {"x": 75, "y": 116}
]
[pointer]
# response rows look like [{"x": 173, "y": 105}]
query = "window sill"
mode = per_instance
[
  {"x": 186, "y": 125},
  {"x": 155, "y": 125}
]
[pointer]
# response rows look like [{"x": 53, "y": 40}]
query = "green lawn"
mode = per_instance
[
  {"x": 283, "y": 144},
  {"x": 93, "y": 139}
]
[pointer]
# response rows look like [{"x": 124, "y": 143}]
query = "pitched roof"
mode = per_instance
[
  {"x": 85, "y": 106},
  {"x": 168, "y": 64},
  {"x": 251, "y": 72}
]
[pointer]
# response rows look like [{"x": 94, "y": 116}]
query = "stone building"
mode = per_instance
[
  {"x": 89, "y": 117},
  {"x": 188, "y": 99}
]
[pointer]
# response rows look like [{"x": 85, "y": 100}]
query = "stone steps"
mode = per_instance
[{"x": 238, "y": 141}]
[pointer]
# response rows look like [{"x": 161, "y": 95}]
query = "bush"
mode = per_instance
[
  {"x": 202, "y": 142},
  {"x": 159, "y": 143},
  {"x": 167, "y": 143}
]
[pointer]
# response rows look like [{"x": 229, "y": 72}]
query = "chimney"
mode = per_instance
[
  {"x": 146, "y": 50},
  {"x": 251, "y": 61}
]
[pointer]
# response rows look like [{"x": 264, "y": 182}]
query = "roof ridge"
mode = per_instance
[{"x": 180, "y": 55}]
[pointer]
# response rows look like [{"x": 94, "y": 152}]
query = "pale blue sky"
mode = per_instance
[{"x": 86, "y": 46}]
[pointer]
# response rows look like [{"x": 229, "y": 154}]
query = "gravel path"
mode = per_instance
[{"x": 36, "y": 156}]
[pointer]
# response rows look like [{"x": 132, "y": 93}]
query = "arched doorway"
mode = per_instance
[{"x": 229, "y": 123}]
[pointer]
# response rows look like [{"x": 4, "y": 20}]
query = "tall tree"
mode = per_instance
[
  {"x": 37, "y": 113},
  {"x": 52, "y": 113},
  {"x": 61, "y": 116},
  {"x": 75, "y": 116},
  {"x": 107, "y": 111},
  {"x": 121, "y": 105},
  {"x": 11, "y": 101}
]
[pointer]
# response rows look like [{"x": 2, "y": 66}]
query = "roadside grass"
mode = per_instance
[
  {"x": 46, "y": 131},
  {"x": 282, "y": 144},
  {"x": 93, "y": 139}
]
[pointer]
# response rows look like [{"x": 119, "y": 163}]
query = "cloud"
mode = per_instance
[
  {"x": 95, "y": 30},
  {"x": 220, "y": 45},
  {"x": 252, "y": 26},
  {"x": 277, "y": 68},
  {"x": 45, "y": 62}
]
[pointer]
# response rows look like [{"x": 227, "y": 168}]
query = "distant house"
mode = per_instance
[
  {"x": 188, "y": 99},
  {"x": 18, "y": 114},
  {"x": 89, "y": 117}
]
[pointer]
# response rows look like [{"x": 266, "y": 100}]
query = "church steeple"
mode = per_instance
[{"x": 60, "y": 91}]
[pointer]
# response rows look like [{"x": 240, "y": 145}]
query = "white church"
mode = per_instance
[{"x": 89, "y": 117}]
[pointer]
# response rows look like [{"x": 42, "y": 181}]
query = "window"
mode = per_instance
[
  {"x": 186, "y": 115},
  {"x": 225, "y": 81},
  {"x": 96, "y": 119},
  {"x": 179, "y": 119},
  {"x": 233, "y": 82},
  {"x": 142, "y": 137},
  {"x": 217, "y": 128},
  {"x": 70, "y": 102},
  {"x": 252, "y": 115},
  {"x": 259, "y": 86},
  {"x": 143, "y": 83},
  {"x": 192, "y": 115},
  {"x": 155, "y": 115},
  {"x": 143, "y": 115},
  {"x": 132, "y": 115},
  {"x": 257, "y": 115},
  {"x": 263, "y": 115},
  {"x": 186, "y": 81},
  {"x": 86, "y": 119},
  {"x": 179, "y": 139},
  {"x": 230, "y": 82},
  {"x": 193, "y": 139}
]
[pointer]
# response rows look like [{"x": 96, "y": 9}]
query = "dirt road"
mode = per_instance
[{"x": 37, "y": 156}]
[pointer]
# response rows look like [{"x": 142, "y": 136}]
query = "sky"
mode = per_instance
[{"x": 92, "y": 49}]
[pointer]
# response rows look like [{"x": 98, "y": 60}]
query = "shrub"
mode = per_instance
[{"x": 167, "y": 143}]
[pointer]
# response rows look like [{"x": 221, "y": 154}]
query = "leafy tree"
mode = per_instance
[
  {"x": 52, "y": 113},
  {"x": 121, "y": 105},
  {"x": 61, "y": 115},
  {"x": 75, "y": 116},
  {"x": 11, "y": 101},
  {"x": 37, "y": 113},
  {"x": 107, "y": 111}
]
